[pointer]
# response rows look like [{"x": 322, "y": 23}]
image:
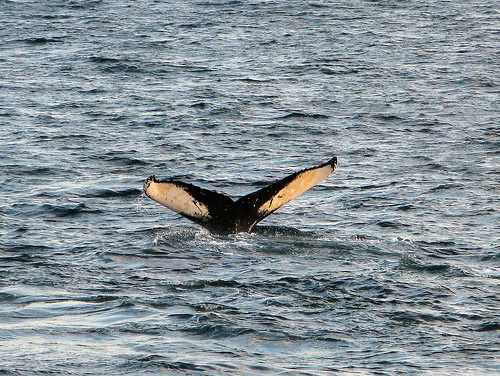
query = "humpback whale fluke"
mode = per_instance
[{"x": 219, "y": 213}]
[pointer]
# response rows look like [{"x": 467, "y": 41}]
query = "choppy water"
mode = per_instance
[{"x": 389, "y": 267}]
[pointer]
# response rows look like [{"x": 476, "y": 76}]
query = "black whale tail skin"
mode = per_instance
[{"x": 219, "y": 213}]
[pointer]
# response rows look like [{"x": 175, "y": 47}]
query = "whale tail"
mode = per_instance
[{"x": 219, "y": 213}]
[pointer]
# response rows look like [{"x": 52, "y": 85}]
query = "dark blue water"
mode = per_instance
[{"x": 390, "y": 267}]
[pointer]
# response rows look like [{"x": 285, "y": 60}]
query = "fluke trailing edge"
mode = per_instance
[{"x": 219, "y": 213}]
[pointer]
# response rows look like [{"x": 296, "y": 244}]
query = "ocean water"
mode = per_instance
[{"x": 391, "y": 266}]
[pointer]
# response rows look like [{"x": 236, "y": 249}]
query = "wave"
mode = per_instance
[
  {"x": 43, "y": 40},
  {"x": 302, "y": 115},
  {"x": 489, "y": 326},
  {"x": 215, "y": 331},
  {"x": 160, "y": 362},
  {"x": 111, "y": 193},
  {"x": 410, "y": 262},
  {"x": 414, "y": 317},
  {"x": 62, "y": 211}
]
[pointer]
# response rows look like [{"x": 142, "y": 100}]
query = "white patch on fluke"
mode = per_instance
[
  {"x": 296, "y": 187},
  {"x": 176, "y": 198}
]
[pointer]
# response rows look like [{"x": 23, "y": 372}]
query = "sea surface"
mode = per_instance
[{"x": 391, "y": 266}]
